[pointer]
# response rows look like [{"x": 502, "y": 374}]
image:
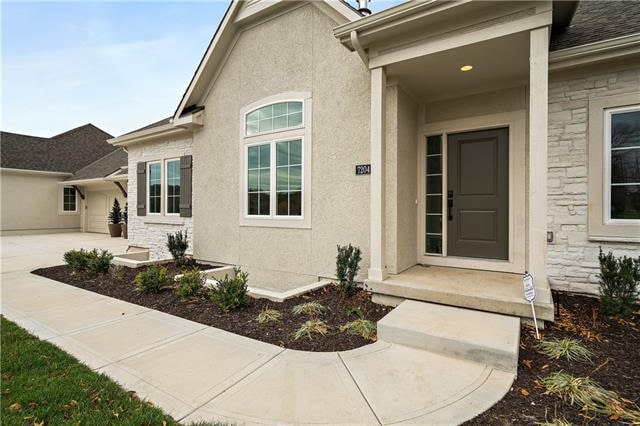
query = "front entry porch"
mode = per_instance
[{"x": 490, "y": 291}]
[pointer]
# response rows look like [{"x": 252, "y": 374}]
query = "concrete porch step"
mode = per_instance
[{"x": 481, "y": 337}]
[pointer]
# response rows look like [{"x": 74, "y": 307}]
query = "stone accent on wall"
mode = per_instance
[
  {"x": 572, "y": 259},
  {"x": 151, "y": 231}
]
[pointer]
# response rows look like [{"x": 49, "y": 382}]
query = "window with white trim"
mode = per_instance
[
  {"x": 172, "y": 183},
  {"x": 154, "y": 187},
  {"x": 622, "y": 164},
  {"x": 275, "y": 153},
  {"x": 69, "y": 200}
]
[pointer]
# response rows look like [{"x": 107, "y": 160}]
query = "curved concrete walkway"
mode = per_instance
[{"x": 195, "y": 372}]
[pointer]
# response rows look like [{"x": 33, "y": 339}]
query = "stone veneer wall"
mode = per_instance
[
  {"x": 151, "y": 231},
  {"x": 572, "y": 259}
]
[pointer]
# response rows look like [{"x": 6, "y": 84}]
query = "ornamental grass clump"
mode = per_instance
[
  {"x": 190, "y": 282},
  {"x": 360, "y": 327},
  {"x": 570, "y": 349},
  {"x": 153, "y": 279},
  {"x": 309, "y": 309},
  {"x": 619, "y": 283},
  {"x": 591, "y": 396},
  {"x": 231, "y": 292},
  {"x": 267, "y": 316},
  {"x": 347, "y": 267},
  {"x": 308, "y": 328}
]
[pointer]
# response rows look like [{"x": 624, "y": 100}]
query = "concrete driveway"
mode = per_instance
[{"x": 195, "y": 372}]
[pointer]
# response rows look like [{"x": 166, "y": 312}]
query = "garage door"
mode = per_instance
[{"x": 97, "y": 212}]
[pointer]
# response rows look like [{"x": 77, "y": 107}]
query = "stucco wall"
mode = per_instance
[
  {"x": 32, "y": 203},
  {"x": 572, "y": 259},
  {"x": 401, "y": 183},
  {"x": 295, "y": 51},
  {"x": 151, "y": 231}
]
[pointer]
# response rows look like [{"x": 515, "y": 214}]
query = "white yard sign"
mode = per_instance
[{"x": 530, "y": 296}]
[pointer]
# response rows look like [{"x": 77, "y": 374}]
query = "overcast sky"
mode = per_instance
[{"x": 119, "y": 65}]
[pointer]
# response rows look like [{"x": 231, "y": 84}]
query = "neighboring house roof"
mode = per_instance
[
  {"x": 596, "y": 21},
  {"x": 151, "y": 126},
  {"x": 102, "y": 167},
  {"x": 66, "y": 152}
]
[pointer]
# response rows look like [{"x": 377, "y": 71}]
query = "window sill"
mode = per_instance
[
  {"x": 275, "y": 223},
  {"x": 163, "y": 220},
  {"x": 613, "y": 239}
]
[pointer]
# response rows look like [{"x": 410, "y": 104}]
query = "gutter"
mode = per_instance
[
  {"x": 35, "y": 172},
  {"x": 615, "y": 48},
  {"x": 178, "y": 127}
]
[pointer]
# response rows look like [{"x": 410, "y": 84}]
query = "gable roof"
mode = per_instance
[
  {"x": 225, "y": 33},
  {"x": 595, "y": 21},
  {"x": 103, "y": 166},
  {"x": 66, "y": 152}
]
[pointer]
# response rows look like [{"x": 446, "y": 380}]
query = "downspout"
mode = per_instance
[{"x": 355, "y": 42}]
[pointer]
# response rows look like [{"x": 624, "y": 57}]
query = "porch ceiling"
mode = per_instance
[{"x": 497, "y": 63}]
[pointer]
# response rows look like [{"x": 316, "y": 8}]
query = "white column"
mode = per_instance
[
  {"x": 377, "y": 270},
  {"x": 538, "y": 125}
]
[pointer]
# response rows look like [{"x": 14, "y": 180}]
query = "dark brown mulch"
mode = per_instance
[
  {"x": 241, "y": 321},
  {"x": 615, "y": 344}
]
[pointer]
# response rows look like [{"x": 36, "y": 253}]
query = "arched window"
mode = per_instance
[{"x": 276, "y": 155}]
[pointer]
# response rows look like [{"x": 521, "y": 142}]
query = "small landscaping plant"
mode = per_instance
[
  {"x": 347, "y": 267},
  {"x": 590, "y": 396},
  {"x": 231, "y": 293},
  {"x": 153, "y": 279},
  {"x": 190, "y": 282},
  {"x": 570, "y": 349},
  {"x": 125, "y": 214},
  {"x": 76, "y": 259},
  {"x": 360, "y": 327},
  {"x": 117, "y": 272},
  {"x": 89, "y": 260},
  {"x": 115, "y": 215},
  {"x": 619, "y": 283},
  {"x": 178, "y": 244},
  {"x": 310, "y": 327},
  {"x": 354, "y": 311},
  {"x": 308, "y": 308},
  {"x": 267, "y": 316}
]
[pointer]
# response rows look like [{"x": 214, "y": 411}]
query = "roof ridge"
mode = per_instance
[{"x": 80, "y": 127}]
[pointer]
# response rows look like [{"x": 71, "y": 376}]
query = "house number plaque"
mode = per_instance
[{"x": 363, "y": 169}]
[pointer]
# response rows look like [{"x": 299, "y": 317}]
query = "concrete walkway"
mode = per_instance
[{"x": 195, "y": 372}]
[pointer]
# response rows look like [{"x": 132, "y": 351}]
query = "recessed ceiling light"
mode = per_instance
[{"x": 466, "y": 68}]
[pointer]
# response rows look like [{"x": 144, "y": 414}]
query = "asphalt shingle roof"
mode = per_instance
[
  {"x": 102, "y": 167},
  {"x": 598, "y": 21},
  {"x": 67, "y": 152}
]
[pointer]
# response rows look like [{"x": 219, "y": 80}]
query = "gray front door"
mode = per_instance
[{"x": 478, "y": 194}]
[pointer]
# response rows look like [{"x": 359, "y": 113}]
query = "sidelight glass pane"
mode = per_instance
[
  {"x": 434, "y": 145},
  {"x": 434, "y": 165},
  {"x": 433, "y": 199},
  {"x": 434, "y": 244},
  {"x": 434, "y": 203},
  {"x": 434, "y": 224},
  {"x": 434, "y": 184}
]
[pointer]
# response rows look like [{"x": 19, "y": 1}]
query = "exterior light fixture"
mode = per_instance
[{"x": 466, "y": 68}]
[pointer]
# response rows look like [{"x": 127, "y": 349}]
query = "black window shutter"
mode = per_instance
[
  {"x": 186, "y": 183},
  {"x": 142, "y": 189}
]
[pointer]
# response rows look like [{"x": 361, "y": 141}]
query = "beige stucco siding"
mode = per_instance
[
  {"x": 295, "y": 51},
  {"x": 32, "y": 203}
]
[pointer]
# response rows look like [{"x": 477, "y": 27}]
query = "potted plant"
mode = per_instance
[
  {"x": 115, "y": 217},
  {"x": 123, "y": 224}
]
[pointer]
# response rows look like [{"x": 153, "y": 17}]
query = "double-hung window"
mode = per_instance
[
  {"x": 622, "y": 165},
  {"x": 275, "y": 155},
  {"x": 69, "y": 200},
  {"x": 163, "y": 187}
]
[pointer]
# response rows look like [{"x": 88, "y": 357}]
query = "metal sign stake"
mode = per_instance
[{"x": 530, "y": 295}]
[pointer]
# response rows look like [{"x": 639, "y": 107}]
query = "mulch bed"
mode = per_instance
[
  {"x": 242, "y": 321},
  {"x": 615, "y": 344}
]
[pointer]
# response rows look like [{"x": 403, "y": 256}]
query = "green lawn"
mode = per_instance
[{"x": 41, "y": 383}]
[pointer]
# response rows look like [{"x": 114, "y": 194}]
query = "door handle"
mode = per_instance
[{"x": 449, "y": 205}]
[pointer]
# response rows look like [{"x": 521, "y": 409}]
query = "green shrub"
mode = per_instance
[
  {"x": 89, "y": 260},
  {"x": 354, "y": 311},
  {"x": 619, "y": 281},
  {"x": 310, "y": 327},
  {"x": 360, "y": 327},
  {"x": 347, "y": 266},
  {"x": 269, "y": 315},
  {"x": 125, "y": 214},
  {"x": 231, "y": 293},
  {"x": 152, "y": 279},
  {"x": 178, "y": 244},
  {"x": 115, "y": 215},
  {"x": 98, "y": 262},
  {"x": 190, "y": 282},
  {"x": 76, "y": 259},
  {"x": 571, "y": 349},
  {"x": 308, "y": 308}
]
